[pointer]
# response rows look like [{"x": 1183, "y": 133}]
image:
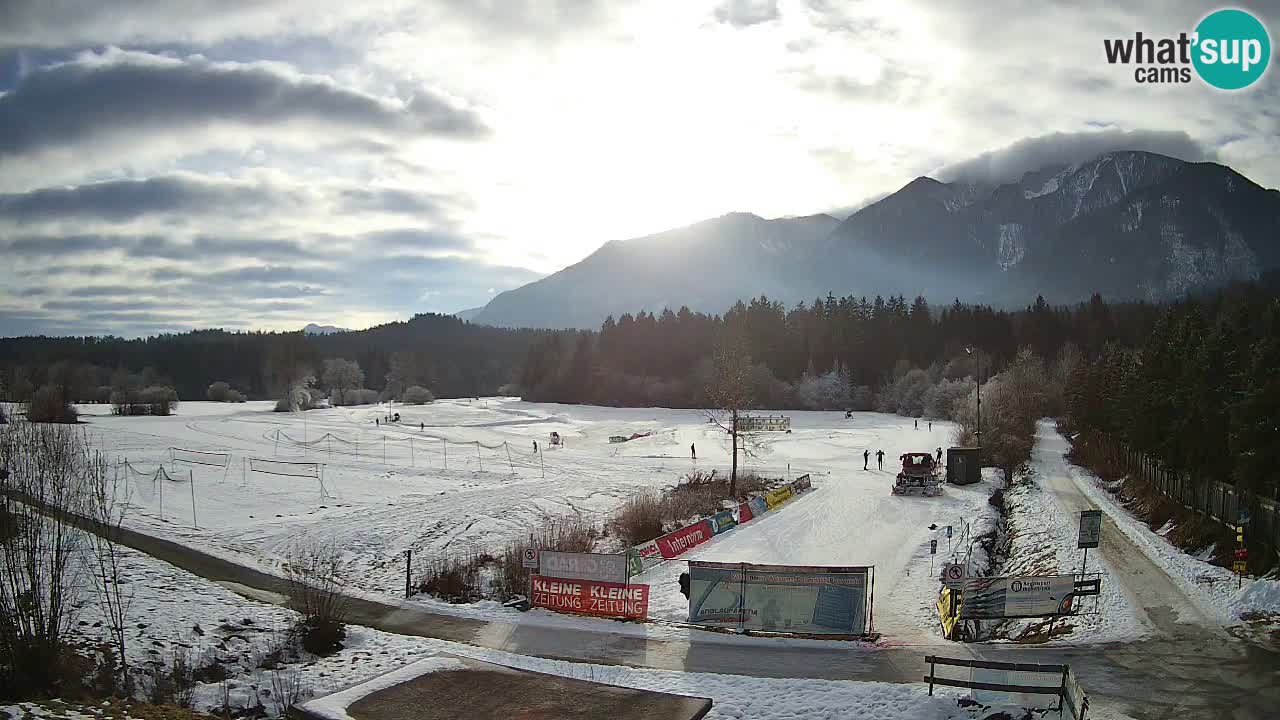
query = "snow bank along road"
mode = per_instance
[{"x": 850, "y": 519}]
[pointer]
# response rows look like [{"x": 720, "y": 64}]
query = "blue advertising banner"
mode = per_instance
[
  {"x": 812, "y": 600},
  {"x": 722, "y": 521},
  {"x": 758, "y": 505}
]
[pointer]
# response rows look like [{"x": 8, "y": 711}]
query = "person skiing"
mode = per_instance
[
  {"x": 866, "y": 457},
  {"x": 917, "y": 424},
  {"x": 880, "y": 459},
  {"x": 535, "y": 447},
  {"x": 930, "y": 426},
  {"x": 422, "y": 426},
  {"x": 693, "y": 450},
  {"x": 375, "y": 421},
  {"x": 939, "y": 456}
]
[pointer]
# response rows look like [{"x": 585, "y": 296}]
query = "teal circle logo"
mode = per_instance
[{"x": 1232, "y": 49}]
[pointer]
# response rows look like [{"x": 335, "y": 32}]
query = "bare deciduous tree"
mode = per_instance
[
  {"x": 342, "y": 376},
  {"x": 107, "y": 509},
  {"x": 42, "y": 479},
  {"x": 731, "y": 396}
]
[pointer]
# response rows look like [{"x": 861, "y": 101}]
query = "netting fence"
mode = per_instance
[
  {"x": 311, "y": 470},
  {"x": 424, "y": 451},
  {"x": 149, "y": 485}
]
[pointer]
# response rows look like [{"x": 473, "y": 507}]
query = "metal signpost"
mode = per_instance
[
  {"x": 948, "y": 538},
  {"x": 1090, "y": 534},
  {"x": 933, "y": 550}
]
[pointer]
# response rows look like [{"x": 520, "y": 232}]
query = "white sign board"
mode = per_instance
[
  {"x": 1012, "y": 597},
  {"x": 529, "y": 559},
  {"x": 779, "y": 423},
  {"x": 583, "y": 566},
  {"x": 954, "y": 575},
  {"x": 1090, "y": 529}
]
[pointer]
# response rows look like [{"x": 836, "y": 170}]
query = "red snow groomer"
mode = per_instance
[{"x": 919, "y": 476}]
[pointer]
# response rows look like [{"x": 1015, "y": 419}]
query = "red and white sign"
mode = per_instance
[
  {"x": 649, "y": 552},
  {"x": 674, "y": 543},
  {"x": 588, "y": 597},
  {"x": 744, "y": 513}
]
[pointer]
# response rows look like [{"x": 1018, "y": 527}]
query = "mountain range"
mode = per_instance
[{"x": 1128, "y": 225}]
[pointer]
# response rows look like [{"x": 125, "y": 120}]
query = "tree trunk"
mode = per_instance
[{"x": 733, "y": 472}]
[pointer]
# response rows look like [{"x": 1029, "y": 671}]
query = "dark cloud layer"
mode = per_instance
[
  {"x": 1010, "y": 163},
  {"x": 187, "y": 195},
  {"x": 118, "y": 93}
]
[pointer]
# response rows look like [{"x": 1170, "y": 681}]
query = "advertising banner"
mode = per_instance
[
  {"x": 765, "y": 424},
  {"x": 1014, "y": 597},
  {"x": 644, "y": 556},
  {"x": 802, "y": 483},
  {"x": 583, "y": 566},
  {"x": 589, "y": 597},
  {"x": 758, "y": 505},
  {"x": 776, "y": 497},
  {"x": 779, "y": 598},
  {"x": 744, "y": 512},
  {"x": 722, "y": 521},
  {"x": 674, "y": 543}
]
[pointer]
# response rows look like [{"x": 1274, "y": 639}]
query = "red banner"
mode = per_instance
[
  {"x": 674, "y": 543},
  {"x": 589, "y": 597},
  {"x": 744, "y": 513}
]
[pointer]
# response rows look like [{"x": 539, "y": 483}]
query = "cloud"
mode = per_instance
[
  {"x": 116, "y": 282},
  {"x": 132, "y": 96},
  {"x": 180, "y": 198},
  {"x": 743, "y": 13},
  {"x": 1010, "y": 163}
]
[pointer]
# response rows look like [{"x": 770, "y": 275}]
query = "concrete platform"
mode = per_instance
[{"x": 446, "y": 687}]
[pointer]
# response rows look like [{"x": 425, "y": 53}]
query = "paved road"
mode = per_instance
[{"x": 1186, "y": 672}]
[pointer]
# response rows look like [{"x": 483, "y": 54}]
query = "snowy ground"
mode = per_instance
[
  {"x": 423, "y": 500},
  {"x": 178, "y": 612}
]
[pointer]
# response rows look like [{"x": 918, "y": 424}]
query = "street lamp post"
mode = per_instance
[{"x": 977, "y": 381}]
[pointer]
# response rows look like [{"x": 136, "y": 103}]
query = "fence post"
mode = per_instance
[
  {"x": 408, "y": 564},
  {"x": 931, "y": 674}
]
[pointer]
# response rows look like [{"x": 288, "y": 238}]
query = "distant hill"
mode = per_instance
[
  {"x": 314, "y": 329},
  {"x": 707, "y": 266},
  {"x": 1129, "y": 225},
  {"x": 469, "y": 313}
]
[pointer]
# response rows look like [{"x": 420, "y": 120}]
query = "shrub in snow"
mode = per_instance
[
  {"x": 222, "y": 392},
  {"x": 159, "y": 399},
  {"x": 417, "y": 395},
  {"x": 940, "y": 399},
  {"x": 49, "y": 405},
  {"x": 829, "y": 391}
]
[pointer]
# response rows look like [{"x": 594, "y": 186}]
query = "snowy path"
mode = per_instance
[{"x": 1158, "y": 598}]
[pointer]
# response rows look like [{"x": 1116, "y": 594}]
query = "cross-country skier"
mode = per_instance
[
  {"x": 866, "y": 457},
  {"x": 693, "y": 451},
  {"x": 880, "y": 458}
]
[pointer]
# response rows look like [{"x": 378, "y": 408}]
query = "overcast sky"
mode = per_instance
[{"x": 268, "y": 163}]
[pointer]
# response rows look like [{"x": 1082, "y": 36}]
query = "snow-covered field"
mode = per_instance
[
  {"x": 490, "y": 486},
  {"x": 182, "y": 613}
]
